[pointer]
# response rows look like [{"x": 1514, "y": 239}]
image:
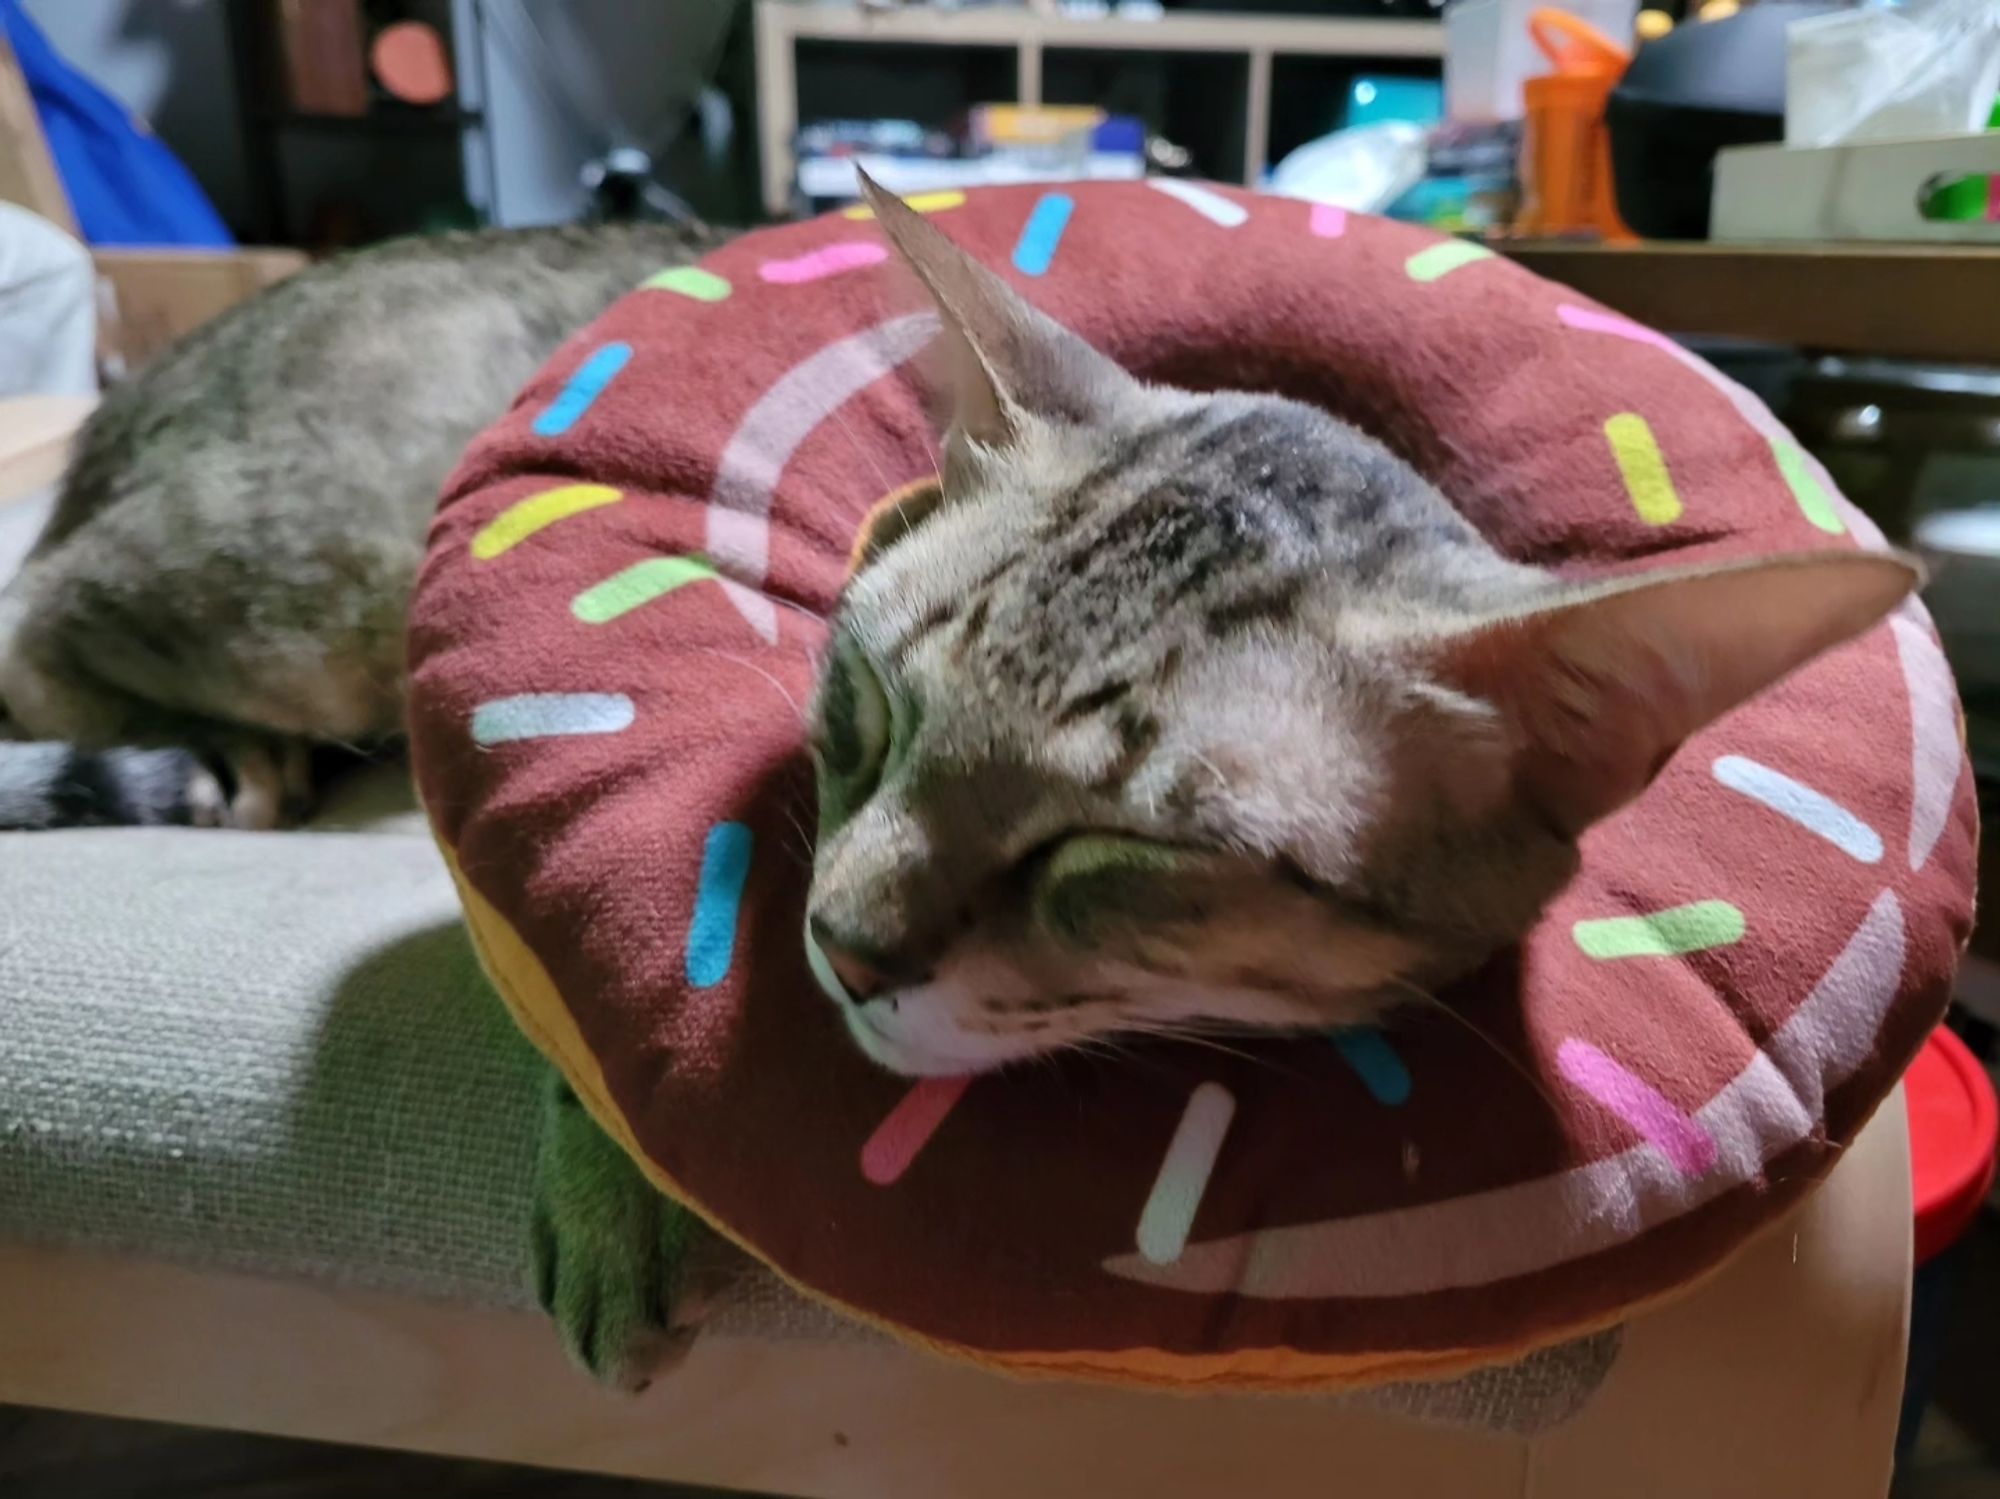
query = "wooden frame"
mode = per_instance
[
  {"x": 1932, "y": 302},
  {"x": 1781, "y": 1375},
  {"x": 27, "y": 171},
  {"x": 35, "y": 437},
  {"x": 153, "y": 298}
]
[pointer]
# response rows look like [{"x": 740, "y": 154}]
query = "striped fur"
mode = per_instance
[
  {"x": 229, "y": 561},
  {"x": 50, "y": 785},
  {"x": 1187, "y": 710}
]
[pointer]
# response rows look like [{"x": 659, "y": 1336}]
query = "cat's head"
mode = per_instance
[{"x": 1165, "y": 711}]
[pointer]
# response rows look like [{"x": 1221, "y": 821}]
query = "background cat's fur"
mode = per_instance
[{"x": 229, "y": 560}]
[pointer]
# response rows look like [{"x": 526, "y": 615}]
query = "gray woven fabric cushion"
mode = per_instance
[
  {"x": 276, "y": 1053},
  {"x": 270, "y": 1053}
]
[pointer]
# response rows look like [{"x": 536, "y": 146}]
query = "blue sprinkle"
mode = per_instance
[
  {"x": 1042, "y": 233},
  {"x": 1381, "y": 1071},
  {"x": 584, "y": 387},
  {"x": 725, "y": 866}
]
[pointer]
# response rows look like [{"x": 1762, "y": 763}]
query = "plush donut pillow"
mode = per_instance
[{"x": 614, "y": 635}]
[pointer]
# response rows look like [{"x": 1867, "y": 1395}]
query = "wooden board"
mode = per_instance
[
  {"x": 1901, "y": 301},
  {"x": 158, "y": 296},
  {"x": 1780, "y": 1376},
  {"x": 35, "y": 436},
  {"x": 27, "y": 171}
]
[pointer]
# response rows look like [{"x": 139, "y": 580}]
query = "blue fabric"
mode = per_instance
[{"x": 124, "y": 185}]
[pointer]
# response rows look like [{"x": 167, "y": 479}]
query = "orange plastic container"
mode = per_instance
[{"x": 1565, "y": 148}]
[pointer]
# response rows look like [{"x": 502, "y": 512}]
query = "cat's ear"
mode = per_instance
[
  {"x": 1599, "y": 686},
  {"x": 894, "y": 517},
  {"x": 1008, "y": 361}
]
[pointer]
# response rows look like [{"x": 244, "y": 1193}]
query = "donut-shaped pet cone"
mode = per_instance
[{"x": 616, "y": 632}]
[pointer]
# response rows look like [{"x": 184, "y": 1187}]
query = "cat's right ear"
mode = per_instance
[
  {"x": 1009, "y": 363},
  {"x": 1601, "y": 683}
]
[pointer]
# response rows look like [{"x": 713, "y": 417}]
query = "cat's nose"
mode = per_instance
[
  {"x": 863, "y": 971},
  {"x": 861, "y": 979}
]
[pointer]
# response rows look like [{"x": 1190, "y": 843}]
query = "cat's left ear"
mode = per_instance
[
  {"x": 1601, "y": 684},
  {"x": 1010, "y": 363}
]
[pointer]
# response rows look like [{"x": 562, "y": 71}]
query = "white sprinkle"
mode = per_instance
[
  {"x": 1169, "y": 1212},
  {"x": 1211, "y": 206},
  {"x": 1810, "y": 809},
  {"x": 541, "y": 715}
]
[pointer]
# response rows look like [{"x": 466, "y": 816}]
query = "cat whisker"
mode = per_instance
[
  {"x": 753, "y": 666},
  {"x": 1195, "y": 1035},
  {"x": 1210, "y": 766},
  {"x": 1431, "y": 1001},
  {"x": 869, "y": 458},
  {"x": 1121, "y": 1053}
]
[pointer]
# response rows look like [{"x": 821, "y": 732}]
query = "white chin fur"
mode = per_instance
[{"x": 895, "y": 1047}]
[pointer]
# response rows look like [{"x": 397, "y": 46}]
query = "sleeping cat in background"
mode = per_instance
[{"x": 225, "y": 575}]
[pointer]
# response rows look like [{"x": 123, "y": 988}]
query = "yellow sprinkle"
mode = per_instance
[
  {"x": 524, "y": 518},
  {"x": 1644, "y": 467},
  {"x": 921, "y": 202}
]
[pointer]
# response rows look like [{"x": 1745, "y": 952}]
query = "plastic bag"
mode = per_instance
[
  {"x": 1363, "y": 170},
  {"x": 1869, "y": 75}
]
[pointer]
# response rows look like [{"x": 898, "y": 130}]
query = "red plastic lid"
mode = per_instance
[{"x": 1953, "y": 1125}]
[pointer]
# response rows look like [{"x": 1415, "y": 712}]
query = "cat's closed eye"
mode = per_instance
[
  {"x": 852, "y": 728},
  {"x": 1087, "y": 882}
]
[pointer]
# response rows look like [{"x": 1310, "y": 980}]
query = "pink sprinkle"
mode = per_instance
[
  {"x": 816, "y": 265},
  {"x": 1608, "y": 322},
  {"x": 909, "y": 1127},
  {"x": 1674, "y": 1134},
  {"x": 1328, "y": 222}
]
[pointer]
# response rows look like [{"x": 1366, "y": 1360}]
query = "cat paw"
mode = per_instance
[
  {"x": 609, "y": 1252},
  {"x": 272, "y": 785},
  {"x": 203, "y": 797}
]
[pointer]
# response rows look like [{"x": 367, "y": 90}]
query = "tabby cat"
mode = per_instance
[
  {"x": 228, "y": 565},
  {"x": 1167, "y": 711}
]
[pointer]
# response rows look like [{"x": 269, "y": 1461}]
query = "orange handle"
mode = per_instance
[{"x": 1574, "y": 45}]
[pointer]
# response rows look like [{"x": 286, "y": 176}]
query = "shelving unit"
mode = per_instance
[
  {"x": 450, "y": 139},
  {"x": 1029, "y": 34}
]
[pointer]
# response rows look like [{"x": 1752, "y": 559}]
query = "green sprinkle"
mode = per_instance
[
  {"x": 689, "y": 281},
  {"x": 1442, "y": 260},
  {"x": 641, "y": 583},
  {"x": 1664, "y": 934},
  {"x": 1813, "y": 499}
]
